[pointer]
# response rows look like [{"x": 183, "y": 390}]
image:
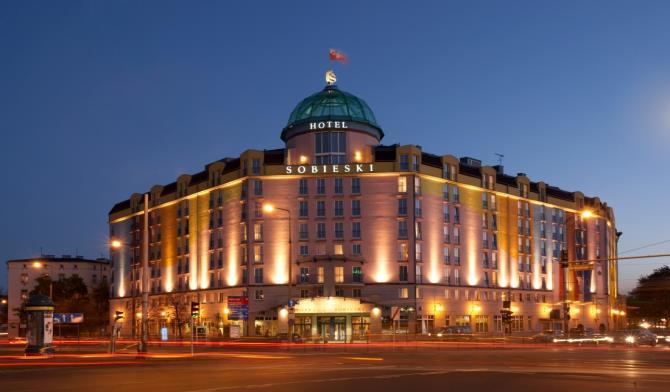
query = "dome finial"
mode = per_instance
[{"x": 330, "y": 77}]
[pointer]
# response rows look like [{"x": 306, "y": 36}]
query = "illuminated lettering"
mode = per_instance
[
  {"x": 315, "y": 169},
  {"x": 325, "y": 169},
  {"x": 347, "y": 168},
  {"x": 359, "y": 168},
  {"x": 289, "y": 170},
  {"x": 301, "y": 169}
]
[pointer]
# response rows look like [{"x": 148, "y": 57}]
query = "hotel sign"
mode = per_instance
[
  {"x": 328, "y": 125},
  {"x": 346, "y": 168}
]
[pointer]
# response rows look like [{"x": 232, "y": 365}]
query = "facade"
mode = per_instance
[
  {"x": 22, "y": 275},
  {"x": 365, "y": 237}
]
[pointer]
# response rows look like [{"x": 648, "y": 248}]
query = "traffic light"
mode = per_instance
[
  {"x": 195, "y": 309},
  {"x": 118, "y": 315}
]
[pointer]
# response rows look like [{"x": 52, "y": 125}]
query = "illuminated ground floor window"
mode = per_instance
[{"x": 481, "y": 323}]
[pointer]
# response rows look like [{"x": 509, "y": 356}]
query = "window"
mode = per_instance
[
  {"x": 445, "y": 255},
  {"x": 417, "y": 208},
  {"x": 258, "y": 253},
  {"x": 339, "y": 274},
  {"x": 457, "y": 215},
  {"x": 481, "y": 323},
  {"x": 320, "y": 186},
  {"x": 457, "y": 256},
  {"x": 404, "y": 162},
  {"x": 446, "y": 237},
  {"x": 356, "y": 230},
  {"x": 339, "y": 230},
  {"x": 304, "y": 275},
  {"x": 402, "y": 207},
  {"x": 357, "y": 274},
  {"x": 255, "y": 166},
  {"x": 331, "y": 147},
  {"x": 355, "y": 207},
  {"x": 456, "y": 195},
  {"x": 417, "y": 230},
  {"x": 402, "y": 184},
  {"x": 320, "y": 208},
  {"x": 258, "y": 187},
  {"x": 402, "y": 273},
  {"x": 258, "y": 275},
  {"x": 303, "y": 209},
  {"x": 304, "y": 250},
  {"x": 445, "y": 213},
  {"x": 319, "y": 275},
  {"x": 355, "y": 185},
  {"x": 457, "y": 236},
  {"x": 339, "y": 292},
  {"x": 321, "y": 231},
  {"x": 485, "y": 201},
  {"x": 403, "y": 292},
  {"x": 258, "y": 295},
  {"x": 356, "y": 293},
  {"x": 356, "y": 249},
  {"x": 339, "y": 189},
  {"x": 403, "y": 251},
  {"x": 417, "y": 185},
  {"x": 303, "y": 188},
  {"x": 258, "y": 232},
  {"x": 415, "y": 162},
  {"x": 303, "y": 231},
  {"x": 445, "y": 191},
  {"x": 339, "y": 208},
  {"x": 402, "y": 229},
  {"x": 418, "y": 254},
  {"x": 338, "y": 249}
]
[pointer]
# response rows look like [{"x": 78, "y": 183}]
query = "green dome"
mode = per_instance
[{"x": 331, "y": 103}]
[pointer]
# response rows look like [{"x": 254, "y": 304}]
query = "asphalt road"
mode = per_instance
[{"x": 521, "y": 369}]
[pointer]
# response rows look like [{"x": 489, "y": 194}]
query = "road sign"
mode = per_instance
[
  {"x": 238, "y": 308},
  {"x": 68, "y": 318},
  {"x": 395, "y": 313}
]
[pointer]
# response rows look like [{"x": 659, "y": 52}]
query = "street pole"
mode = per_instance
[
  {"x": 145, "y": 278},
  {"x": 290, "y": 273}
]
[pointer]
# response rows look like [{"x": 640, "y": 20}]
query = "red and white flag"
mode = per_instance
[{"x": 336, "y": 55}]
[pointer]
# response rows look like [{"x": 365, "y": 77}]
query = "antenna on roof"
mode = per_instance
[{"x": 500, "y": 158}]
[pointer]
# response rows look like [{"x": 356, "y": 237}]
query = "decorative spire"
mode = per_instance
[{"x": 330, "y": 77}]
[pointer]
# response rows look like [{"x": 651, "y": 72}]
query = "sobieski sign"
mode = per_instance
[{"x": 331, "y": 169}]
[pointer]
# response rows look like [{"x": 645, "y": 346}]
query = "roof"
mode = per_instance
[{"x": 331, "y": 103}]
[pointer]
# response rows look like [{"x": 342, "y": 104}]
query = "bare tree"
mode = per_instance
[{"x": 178, "y": 312}]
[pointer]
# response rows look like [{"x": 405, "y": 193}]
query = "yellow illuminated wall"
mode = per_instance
[{"x": 168, "y": 216}]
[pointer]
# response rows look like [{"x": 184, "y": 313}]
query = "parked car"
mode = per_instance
[
  {"x": 455, "y": 332},
  {"x": 283, "y": 337},
  {"x": 634, "y": 337},
  {"x": 548, "y": 336}
]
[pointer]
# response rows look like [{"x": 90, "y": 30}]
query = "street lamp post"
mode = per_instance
[
  {"x": 270, "y": 208},
  {"x": 38, "y": 264}
]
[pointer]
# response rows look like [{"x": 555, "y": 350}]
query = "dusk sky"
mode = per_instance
[{"x": 102, "y": 99}]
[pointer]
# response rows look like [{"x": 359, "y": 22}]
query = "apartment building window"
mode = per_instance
[
  {"x": 304, "y": 250},
  {"x": 303, "y": 209},
  {"x": 402, "y": 184},
  {"x": 403, "y": 293},
  {"x": 403, "y": 251},
  {"x": 338, "y": 249},
  {"x": 402, "y": 207},
  {"x": 457, "y": 256},
  {"x": 258, "y": 275},
  {"x": 403, "y": 276},
  {"x": 417, "y": 208},
  {"x": 417, "y": 185},
  {"x": 457, "y": 236},
  {"x": 445, "y": 213},
  {"x": 402, "y": 229},
  {"x": 446, "y": 238},
  {"x": 319, "y": 275},
  {"x": 457, "y": 215},
  {"x": 485, "y": 201},
  {"x": 258, "y": 187},
  {"x": 357, "y": 274},
  {"x": 339, "y": 189},
  {"x": 415, "y": 162},
  {"x": 356, "y": 230},
  {"x": 258, "y": 232},
  {"x": 457, "y": 197},
  {"x": 259, "y": 295},
  {"x": 445, "y": 255},
  {"x": 303, "y": 187},
  {"x": 404, "y": 162},
  {"x": 445, "y": 192},
  {"x": 339, "y": 207},
  {"x": 321, "y": 231},
  {"x": 418, "y": 254},
  {"x": 494, "y": 222},
  {"x": 339, "y": 230},
  {"x": 303, "y": 231},
  {"x": 304, "y": 275},
  {"x": 339, "y": 274},
  {"x": 356, "y": 185},
  {"x": 356, "y": 249},
  {"x": 320, "y": 186},
  {"x": 320, "y": 208},
  {"x": 356, "y": 207},
  {"x": 417, "y": 230},
  {"x": 258, "y": 253},
  {"x": 256, "y": 166}
]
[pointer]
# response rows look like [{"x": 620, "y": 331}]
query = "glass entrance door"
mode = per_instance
[{"x": 333, "y": 328}]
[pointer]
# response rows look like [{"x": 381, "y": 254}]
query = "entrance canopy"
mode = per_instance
[{"x": 330, "y": 305}]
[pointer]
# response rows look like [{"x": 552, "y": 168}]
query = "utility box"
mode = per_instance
[{"x": 39, "y": 328}]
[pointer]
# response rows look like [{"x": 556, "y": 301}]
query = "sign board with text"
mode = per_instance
[{"x": 238, "y": 308}]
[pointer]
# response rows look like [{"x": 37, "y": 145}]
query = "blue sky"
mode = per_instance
[{"x": 102, "y": 99}]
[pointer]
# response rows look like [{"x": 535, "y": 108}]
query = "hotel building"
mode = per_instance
[{"x": 365, "y": 237}]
